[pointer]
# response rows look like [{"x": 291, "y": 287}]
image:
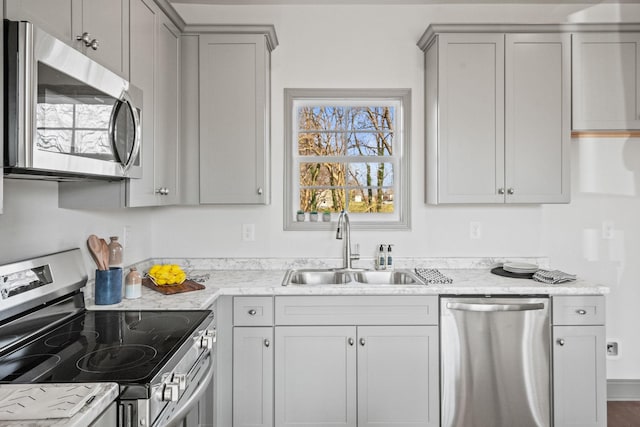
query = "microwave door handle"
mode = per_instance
[{"x": 125, "y": 98}]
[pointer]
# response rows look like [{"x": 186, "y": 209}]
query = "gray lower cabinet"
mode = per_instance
[
  {"x": 579, "y": 365},
  {"x": 356, "y": 376},
  {"x": 252, "y": 376}
]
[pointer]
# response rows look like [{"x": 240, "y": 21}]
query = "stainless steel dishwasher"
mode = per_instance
[{"x": 495, "y": 362}]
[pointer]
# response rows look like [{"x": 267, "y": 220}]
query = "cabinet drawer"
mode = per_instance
[
  {"x": 356, "y": 310},
  {"x": 252, "y": 311},
  {"x": 578, "y": 310}
]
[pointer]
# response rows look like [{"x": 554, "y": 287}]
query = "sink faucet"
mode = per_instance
[{"x": 344, "y": 228}]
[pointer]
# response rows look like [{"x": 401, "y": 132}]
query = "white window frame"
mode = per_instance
[{"x": 401, "y": 99}]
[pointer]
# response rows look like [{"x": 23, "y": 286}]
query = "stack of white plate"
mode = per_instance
[{"x": 520, "y": 267}]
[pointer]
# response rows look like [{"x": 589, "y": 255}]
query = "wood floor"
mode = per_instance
[{"x": 623, "y": 414}]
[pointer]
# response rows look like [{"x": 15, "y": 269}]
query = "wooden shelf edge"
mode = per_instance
[{"x": 606, "y": 134}]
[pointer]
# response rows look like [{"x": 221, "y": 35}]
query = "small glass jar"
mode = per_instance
[
  {"x": 115, "y": 252},
  {"x": 133, "y": 284}
]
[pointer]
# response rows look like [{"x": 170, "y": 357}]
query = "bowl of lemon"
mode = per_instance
[{"x": 166, "y": 274}]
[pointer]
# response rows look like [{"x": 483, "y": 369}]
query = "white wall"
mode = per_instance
[
  {"x": 33, "y": 225},
  {"x": 375, "y": 46}
]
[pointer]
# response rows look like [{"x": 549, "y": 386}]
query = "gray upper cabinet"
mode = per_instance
[
  {"x": 234, "y": 139},
  {"x": 606, "y": 81},
  {"x": 104, "y": 21},
  {"x": 497, "y": 116},
  {"x": 155, "y": 48}
]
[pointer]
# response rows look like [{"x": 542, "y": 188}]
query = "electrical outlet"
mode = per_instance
[
  {"x": 607, "y": 230},
  {"x": 248, "y": 232},
  {"x": 475, "y": 230},
  {"x": 612, "y": 348}
]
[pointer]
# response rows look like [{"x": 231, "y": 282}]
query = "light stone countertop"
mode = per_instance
[
  {"x": 105, "y": 394},
  {"x": 269, "y": 282}
]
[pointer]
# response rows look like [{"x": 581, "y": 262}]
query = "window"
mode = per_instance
[{"x": 347, "y": 150}]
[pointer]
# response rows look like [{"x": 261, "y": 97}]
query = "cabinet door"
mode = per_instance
[
  {"x": 537, "y": 118},
  {"x": 398, "y": 382},
  {"x": 315, "y": 376},
  {"x": 143, "y": 37},
  {"x": 53, "y": 16},
  {"x": 166, "y": 98},
  {"x": 108, "y": 23},
  {"x": 233, "y": 119},
  {"x": 579, "y": 378},
  {"x": 471, "y": 118},
  {"x": 606, "y": 81},
  {"x": 252, "y": 376}
]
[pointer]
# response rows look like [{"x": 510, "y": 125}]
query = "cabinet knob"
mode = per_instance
[
  {"x": 362, "y": 341},
  {"x": 252, "y": 312},
  {"x": 350, "y": 341},
  {"x": 500, "y": 190},
  {"x": 266, "y": 343},
  {"x": 260, "y": 191},
  {"x": 85, "y": 38},
  {"x": 163, "y": 191},
  {"x": 561, "y": 341},
  {"x": 581, "y": 312},
  {"x": 511, "y": 191}
]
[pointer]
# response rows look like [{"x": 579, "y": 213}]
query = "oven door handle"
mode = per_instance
[{"x": 195, "y": 396}]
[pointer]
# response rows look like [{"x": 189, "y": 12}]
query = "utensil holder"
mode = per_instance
[{"x": 108, "y": 286}]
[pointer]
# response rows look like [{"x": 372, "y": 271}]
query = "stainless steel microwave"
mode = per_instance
[{"x": 66, "y": 116}]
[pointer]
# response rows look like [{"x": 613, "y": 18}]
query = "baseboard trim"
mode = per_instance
[{"x": 623, "y": 389}]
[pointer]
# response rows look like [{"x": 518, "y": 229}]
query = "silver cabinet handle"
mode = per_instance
[
  {"x": 561, "y": 341},
  {"x": 252, "y": 312},
  {"x": 260, "y": 191},
  {"x": 500, "y": 190},
  {"x": 350, "y": 341},
  {"x": 362, "y": 341},
  {"x": 581, "y": 312},
  {"x": 163, "y": 191},
  {"x": 266, "y": 343},
  {"x": 511, "y": 191}
]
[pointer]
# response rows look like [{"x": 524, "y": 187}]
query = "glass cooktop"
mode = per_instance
[{"x": 97, "y": 346}]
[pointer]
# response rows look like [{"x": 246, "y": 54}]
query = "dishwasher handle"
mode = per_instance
[{"x": 463, "y": 306}]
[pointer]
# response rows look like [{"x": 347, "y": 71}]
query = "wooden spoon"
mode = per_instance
[
  {"x": 95, "y": 248},
  {"x": 105, "y": 254}
]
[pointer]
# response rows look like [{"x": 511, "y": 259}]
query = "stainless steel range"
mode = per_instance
[{"x": 162, "y": 360}]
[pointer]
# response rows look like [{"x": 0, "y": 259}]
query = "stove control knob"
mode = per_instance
[
  {"x": 206, "y": 342},
  {"x": 170, "y": 392},
  {"x": 211, "y": 333},
  {"x": 181, "y": 380}
]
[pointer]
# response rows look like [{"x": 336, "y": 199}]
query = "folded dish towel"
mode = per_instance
[
  {"x": 553, "y": 276},
  {"x": 433, "y": 276}
]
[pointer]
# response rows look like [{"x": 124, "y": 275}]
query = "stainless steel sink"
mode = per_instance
[
  {"x": 397, "y": 277},
  {"x": 316, "y": 277},
  {"x": 337, "y": 277}
]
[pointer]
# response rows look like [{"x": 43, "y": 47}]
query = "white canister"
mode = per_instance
[{"x": 133, "y": 284}]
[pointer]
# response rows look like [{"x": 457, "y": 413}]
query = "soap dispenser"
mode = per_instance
[
  {"x": 381, "y": 259},
  {"x": 389, "y": 258}
]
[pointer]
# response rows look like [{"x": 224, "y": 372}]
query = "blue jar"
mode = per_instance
[{"x": 108, "y": 286}]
